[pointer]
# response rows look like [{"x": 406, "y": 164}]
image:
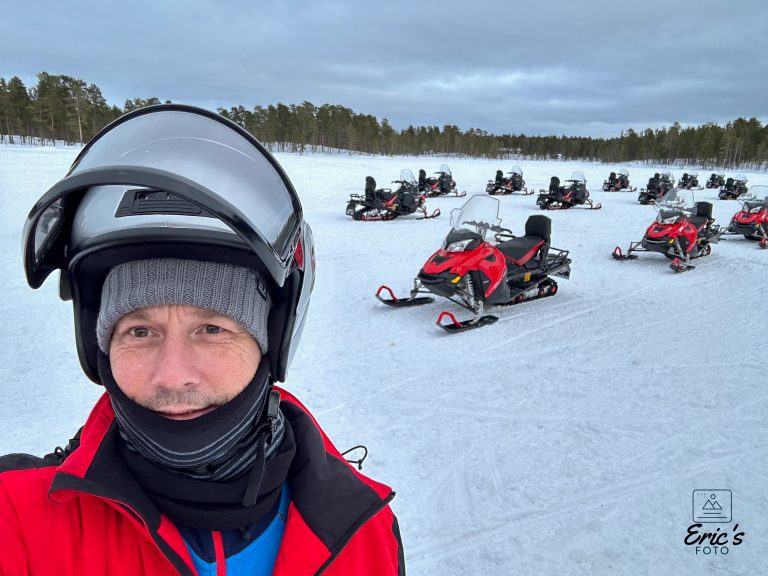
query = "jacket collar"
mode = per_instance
[{"x": 330, "y": 499}]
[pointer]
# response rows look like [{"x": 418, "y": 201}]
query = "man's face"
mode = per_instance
[{"x": 181, "y": 361}]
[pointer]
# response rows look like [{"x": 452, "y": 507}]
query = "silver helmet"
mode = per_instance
[{"x": 173, "y": 181}]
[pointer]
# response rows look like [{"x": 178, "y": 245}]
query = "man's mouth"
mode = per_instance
[{"x": 185, "y": 413}]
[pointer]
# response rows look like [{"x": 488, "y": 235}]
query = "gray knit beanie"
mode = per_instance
[{"x": 233, "y": 291}]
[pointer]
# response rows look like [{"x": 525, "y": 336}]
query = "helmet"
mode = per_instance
[{"x": 173, "y": 181}]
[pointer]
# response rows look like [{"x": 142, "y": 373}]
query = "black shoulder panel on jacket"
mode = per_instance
[
  {"x": 23, "y": 462},
  {"x": 27, "y": 461},
  {"x": 400, "y": 553}
]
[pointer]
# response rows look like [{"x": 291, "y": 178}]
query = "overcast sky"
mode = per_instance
[{"x": 505, "y": 66}]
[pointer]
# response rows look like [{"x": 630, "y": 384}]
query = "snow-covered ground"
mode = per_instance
[{"x": 567, "y": 438}]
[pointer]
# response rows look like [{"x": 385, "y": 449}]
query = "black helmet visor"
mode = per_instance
[{"x": 194, "y": 154}]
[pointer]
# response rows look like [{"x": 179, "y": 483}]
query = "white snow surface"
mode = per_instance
[{"x": 567, "y": 438}]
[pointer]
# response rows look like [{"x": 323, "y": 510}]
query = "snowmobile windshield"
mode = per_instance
[
  {"x": 741, "y": 178},
  {"x": 693, "y": 174},
  {"x": 516, "y": 170},
  {"x": 757, "y": 199},
  {"x": 623, "y": 172},
  {"x": 406, "y": 175},
  {"x": 667, "y": 176},
  {"x": 480, "y": 214},
  {"x": 579, "y": 177},
  {"x": 191, "y": 153},
  {"x": 671, "y": 201},
  {"x": 445, "y": 169}
]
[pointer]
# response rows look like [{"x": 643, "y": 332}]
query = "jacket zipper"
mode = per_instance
[
  {"x": 339, "y": 548},
  {"x": 218, "y": 547}
]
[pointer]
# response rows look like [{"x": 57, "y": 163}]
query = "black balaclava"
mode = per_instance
[{"x": 220, "y": 471}]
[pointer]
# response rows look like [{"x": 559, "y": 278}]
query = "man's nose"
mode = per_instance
[{"x": 175, "y": 365}]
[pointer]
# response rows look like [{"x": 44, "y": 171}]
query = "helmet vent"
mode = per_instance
[{"x": 139, "y": 202}]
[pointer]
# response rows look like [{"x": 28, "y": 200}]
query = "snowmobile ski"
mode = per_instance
[
  {"x": 457, "y": 326},
  {"x": 619, "y": 255},
  {"x": 680, "y": 265},
  {"x": 396, "y": 302},
  {"x": 427, "y": 216}
]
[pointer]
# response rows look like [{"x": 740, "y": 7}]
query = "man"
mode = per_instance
[{"x": 182, "y": 245}]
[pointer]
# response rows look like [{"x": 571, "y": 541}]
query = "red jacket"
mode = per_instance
[{"x": 88, "y": 516}]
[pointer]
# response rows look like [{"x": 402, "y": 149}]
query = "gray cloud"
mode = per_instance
[{"x": 557, "y": 66}]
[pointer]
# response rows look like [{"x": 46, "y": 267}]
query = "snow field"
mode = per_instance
[{"x": 566, "y": 438}]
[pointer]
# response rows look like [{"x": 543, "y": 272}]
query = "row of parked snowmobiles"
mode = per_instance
[
  {"x": 481, "y": 264},
  {"x": 661, "y": 183},
  {"x": 408, "y": 198},
  {"x": 683, "y": 234}
]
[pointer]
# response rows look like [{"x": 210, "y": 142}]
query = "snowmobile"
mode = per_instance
[
  {"x": 441, "y": 185},
  {"x": 618, "y": 183},
  {"x": 563, "y": 197},
  {"x": 716, "y": 181},
  {"x": 733, "y": 188},
  {"x": 679, "y": 233},
  {"x": 474, "y": 271},
  {"x": 513, "y": 184},
  {"x": 752, "y": 220},
  {"x": 384, "y": 204},
  {"x": 689, "y": 181},
  {"x": 658, "y": 186}
]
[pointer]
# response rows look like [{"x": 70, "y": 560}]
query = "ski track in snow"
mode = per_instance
[{"x": 566, "y": 438}]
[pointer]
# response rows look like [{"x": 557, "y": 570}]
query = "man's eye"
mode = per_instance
[
  {"x": 139, "y": 332},
  {"x": 213, "y": 329}
]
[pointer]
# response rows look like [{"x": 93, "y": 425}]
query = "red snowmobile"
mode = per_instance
[
  {"x": 679, "y": 233},
  {"x": 618, "y": 183},
  {"x": 384, "y": 204},
  {"x": 441, "y": 185},
  {"x": 752, "y": 220},
  {"x": 733, "y": 188},
  {"x": 475, "y": 272},
  {"x": 716, "y": 181},
  {"x": 563, "y": 197},
  {"x": 512, "y": 184},
  {"x": 658, "y": 187},
  {"x": 689, "y": 181}
]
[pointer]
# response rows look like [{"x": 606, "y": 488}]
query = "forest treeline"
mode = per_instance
[{"x": 65, "y": 108}]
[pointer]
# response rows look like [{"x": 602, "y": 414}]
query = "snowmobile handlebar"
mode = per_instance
[{"x": 486, "y": 226}]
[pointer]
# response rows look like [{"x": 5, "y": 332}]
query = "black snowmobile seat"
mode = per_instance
[
  {"x": 499, "y": 177},
  {"x": 537, "y": 233},
  {"x": 702, "y": 216},
  {"x": 521, "y": 250},
  {"x": 370, "y": 189},
  {"x": 554, "y": 184},
  {"x": 422, "y": 179},
  {"x": 729, "y": 184},
  {"x": 624, "y": 181},
  {"x": 538, "y": 225}
]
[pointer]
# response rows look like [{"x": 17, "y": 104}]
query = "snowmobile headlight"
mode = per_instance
[
  {"x": 669, "y": 220},
  {"x": 459, "y": 246},
  {"x": 755, "y": 210}
]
